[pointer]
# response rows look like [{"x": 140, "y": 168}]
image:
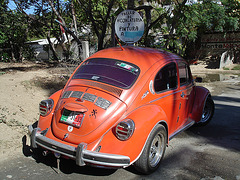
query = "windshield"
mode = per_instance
[{"x": 111, "y": 71}]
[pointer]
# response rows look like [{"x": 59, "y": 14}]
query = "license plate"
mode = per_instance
[{"x": 73, "y": 118}]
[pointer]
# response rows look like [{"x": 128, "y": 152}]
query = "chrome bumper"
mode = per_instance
[{"x": 79, "y": 153}]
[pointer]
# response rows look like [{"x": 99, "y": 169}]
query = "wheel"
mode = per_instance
[
  {"x": 153, "y": 151},
  {"x": 208, "y": 112}
]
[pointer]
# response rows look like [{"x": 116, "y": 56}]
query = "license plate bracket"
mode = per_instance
[{"x": 73, "y": 118}]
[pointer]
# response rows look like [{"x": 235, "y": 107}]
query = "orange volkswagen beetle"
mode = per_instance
[{"x": 121, "y": 107}]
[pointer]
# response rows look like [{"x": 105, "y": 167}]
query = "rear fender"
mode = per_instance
[
  {"x": 201, "y": 95},
  {"x": 45, "y": 121},
  {"x": 145, "y": 118}
]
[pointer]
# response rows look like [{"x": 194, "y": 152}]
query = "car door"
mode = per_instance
[
  {"x": 186, "y": 93},
  {"x": 166, "y": 88}
]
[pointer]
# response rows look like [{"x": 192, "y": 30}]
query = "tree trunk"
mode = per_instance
[
  {"x": 63, "y": 22},
  {"x": 113, "y": 33},
  {"x": 147, "y": 10},
  {"x": 100, "y": 42},
  {"x": 74, "y": 18},
  {"x": 56, "y": 12},
  {"x": 13, "y": 59},
  {"x": 21, "y": 54},
  {"x": 52, "y": 48},
  {"x": 103, "y": 33},
  {"x": 99, "y": 29}
]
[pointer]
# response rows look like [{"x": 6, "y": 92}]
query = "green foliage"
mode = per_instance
[
  {"x": 99, "y": 15},
  {"x": 181, "y": 27},
  {"x": 4, "y": 57},
  {"x": 13, "y": 33},
  {"x": 237, "y": 67},
  {"x": 3, "y": 15},
  {"x": 187, "y": 22},
  {"x": 215, "y": 17}
]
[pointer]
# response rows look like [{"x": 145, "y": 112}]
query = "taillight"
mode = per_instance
[
  {"x": 45, "y": 107},
  {"x": 125, "y": 129}
]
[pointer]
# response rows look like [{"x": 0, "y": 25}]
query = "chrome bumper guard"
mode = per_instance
[{"x": 80, "y": 154}]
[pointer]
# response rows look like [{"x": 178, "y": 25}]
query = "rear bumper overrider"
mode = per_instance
[{"x": 79, "y": 153}]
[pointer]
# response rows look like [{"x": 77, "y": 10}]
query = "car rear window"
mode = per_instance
[{"x": 111, "y": 71}]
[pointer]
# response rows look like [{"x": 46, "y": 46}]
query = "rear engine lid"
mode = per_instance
[{"x": 84, "y": 114}]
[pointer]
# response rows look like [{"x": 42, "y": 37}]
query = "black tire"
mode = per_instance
[
  {"x": 208, "y": 112},
  {"x": 153, "y": 151}
]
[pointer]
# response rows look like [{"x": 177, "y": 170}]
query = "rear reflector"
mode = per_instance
[
  {"x": 45, "y": 107},
  {"x": 125, "y": 129}
]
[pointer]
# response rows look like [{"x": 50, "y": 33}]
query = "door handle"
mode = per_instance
[{"x": 182, "y": 95}]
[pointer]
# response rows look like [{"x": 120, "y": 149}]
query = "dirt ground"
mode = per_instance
[{"x": 23, "y": 86}]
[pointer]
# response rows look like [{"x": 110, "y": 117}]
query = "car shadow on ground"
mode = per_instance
[
  {"x": 66, "y": 166},
  {"x": 224, "y": 129}
]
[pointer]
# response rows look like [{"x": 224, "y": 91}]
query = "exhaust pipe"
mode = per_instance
[{"x": 45, "y": 153}]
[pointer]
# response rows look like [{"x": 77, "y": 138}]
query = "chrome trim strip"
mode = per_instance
[
  {"x": 182, "y": 129},
  {"x": 170, "y": 94},
  {"x": 102, "y": 103},
  {"x": 66, "y": 94},
  {"x": 164, "y": 96},
  {"x": 79, "y": 154},
  {"x": 76, "y": 94},
  {"x": 30, "y": 129},
  {"x": 89, "y": 97},
  {"x": 106, "y": 159},
  {"x": 55, "y": 146}
]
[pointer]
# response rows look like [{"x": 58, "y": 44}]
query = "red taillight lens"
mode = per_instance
[
  {"x": 125, "y": 129},
  {"x": 45, "y": 107}
]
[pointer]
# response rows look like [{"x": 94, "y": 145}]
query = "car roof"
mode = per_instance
[{"x": 144, "y": 58}]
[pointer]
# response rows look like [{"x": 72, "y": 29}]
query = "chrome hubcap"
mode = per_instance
[
  {"x": 206, "y": 112},
  {"x": 156, "y": 150}
]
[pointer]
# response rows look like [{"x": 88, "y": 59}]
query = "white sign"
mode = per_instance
[
  {"x": 221, "y": 41},
  {"x": 129, "y": 26}
]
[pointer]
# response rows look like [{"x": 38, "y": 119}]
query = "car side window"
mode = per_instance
[
  {"x": 184, "y": 73},
  {"x": 166, "y": 78}
]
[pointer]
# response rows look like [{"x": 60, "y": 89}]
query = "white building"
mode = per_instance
[{"x": 43, "y": 51}]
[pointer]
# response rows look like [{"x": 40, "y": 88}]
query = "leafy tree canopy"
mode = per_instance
[{"x": 176, "y": 25}]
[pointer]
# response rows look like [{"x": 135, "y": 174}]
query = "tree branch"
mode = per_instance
[
  {"x": 56, "y": 12},
  {"x": 88, "y": 11}
]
